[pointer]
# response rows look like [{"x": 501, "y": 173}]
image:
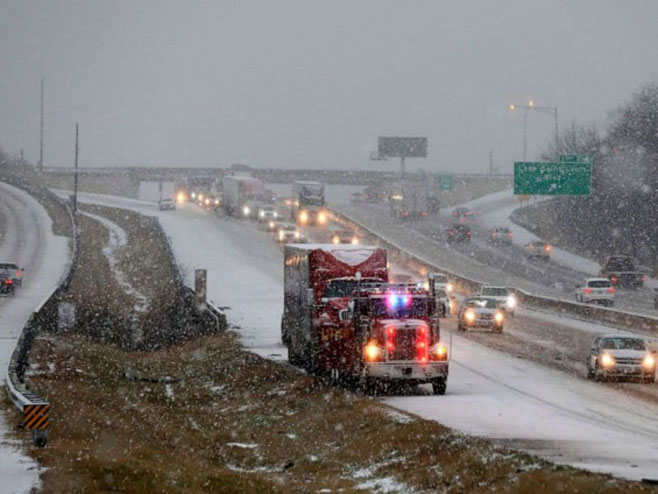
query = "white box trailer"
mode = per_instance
[{"x": 242, "y": 194}]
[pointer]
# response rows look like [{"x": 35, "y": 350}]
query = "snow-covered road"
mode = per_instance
[
  {"x": 490, "y": 393},
  {"x": 29, "y": 242}
]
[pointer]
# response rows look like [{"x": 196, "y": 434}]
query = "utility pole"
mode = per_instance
[
  {"x": 75, "y": 179},
  {"x": 41, "y": 131}
]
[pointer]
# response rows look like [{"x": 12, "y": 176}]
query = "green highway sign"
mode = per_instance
[
  {"x": 444, "y": 181},
  {"x": 575, "y": 158},
  {"x": 545, "y": 178}
]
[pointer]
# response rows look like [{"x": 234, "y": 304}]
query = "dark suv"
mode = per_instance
[{"x": 459, "y": 233}]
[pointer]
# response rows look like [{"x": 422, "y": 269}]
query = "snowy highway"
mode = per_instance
[
  {"x": 495, "y": 264},
  {"x": 25, "y": 238},
  {"x": 528, "y": 390}
]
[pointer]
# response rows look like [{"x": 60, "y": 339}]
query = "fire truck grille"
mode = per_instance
[{"x": 405, "y": 345}]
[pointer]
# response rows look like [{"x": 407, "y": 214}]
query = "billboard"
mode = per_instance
[{"x": 402, "y": 147}]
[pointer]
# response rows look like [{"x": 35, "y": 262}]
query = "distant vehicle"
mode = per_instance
[
  {"x": 410, "y": 201},
  {"x": 242, "y": 195},
  {"x": 443, "y": 301},
  {"x": 275, "y": 225},
  {"x": 344, "y": 237},
  {"x": 623, "y": 271},
  {"x": 289, "y": 233},
  {"x": 441, "y": 281},
  {"x": 462, "y": 214},
  {"x": 166, "y": 204},
  {"x": 480, "y": 312},
  {"x": 500, "y": 235},
  {"x": 308, "y": 204},
  {"x": 267, "y": 212},
  {"x": 357, "y": 197},
  {"x": 506, "y": 300},
  {"x": 459, "y": 233},
  {"x": 596, "y": 290},
  {"x": 615, "y": 356},
  {"x": 538, "y": 249},
  {"x": 13, "y": 272}
]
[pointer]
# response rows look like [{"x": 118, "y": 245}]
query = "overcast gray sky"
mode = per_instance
[{"x": 304, "y": 83}]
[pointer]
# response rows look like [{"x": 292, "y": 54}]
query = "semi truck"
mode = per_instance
[
  {"x": 242, "y": 195},
  {"x": 308, "y": 204},
  {"x": 342, "y": 318},
  {"x": 410, "y": 201}
]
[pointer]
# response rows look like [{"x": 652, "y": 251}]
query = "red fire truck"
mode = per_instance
[{"x": 342, "y": 318}]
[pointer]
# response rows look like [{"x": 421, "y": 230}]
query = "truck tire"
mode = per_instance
[{"x": 439, "y": 386}]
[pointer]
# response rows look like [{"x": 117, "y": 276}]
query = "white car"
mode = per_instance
[
  {"x": 621, "y": 356},
  {"x": 267, "y": 212},
  {"x": 289, "y": 233},
  {"x": 596, "y": 290},
  {"x": 506, "y": 300},
  {"x": 480, "y": 312}
]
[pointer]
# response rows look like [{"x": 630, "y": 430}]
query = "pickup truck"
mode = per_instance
[{"x": 623, "y": 271}]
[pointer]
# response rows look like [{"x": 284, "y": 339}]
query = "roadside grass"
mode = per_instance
[
  {"x": 468, "y": 188},
  {"x": 207, "y": 416}
]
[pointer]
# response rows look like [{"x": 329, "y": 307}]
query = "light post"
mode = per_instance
[{"x": 530, "y": 105}]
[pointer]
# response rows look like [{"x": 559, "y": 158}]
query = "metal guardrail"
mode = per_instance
[
  {"x": 35, "y": 410},
  {"x": 583, "y": 311}
]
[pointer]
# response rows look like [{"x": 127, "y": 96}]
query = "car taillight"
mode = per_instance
[
  {"x": 468, "y": 233},
  {"x": 614, "y": 280},
  {"x": 644, "y": 278},
  {"x": 18, "y": 274},
  {"x": 8, "y": 282},
  {"x": 509, "y": 235},
  {"x": 587, "y": 290},
  {"x": 611, "y": 290}
]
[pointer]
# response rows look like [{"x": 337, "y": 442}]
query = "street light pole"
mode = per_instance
[
  {"x": 525, "y": 134},
  {"x": 552, "y": 110}
]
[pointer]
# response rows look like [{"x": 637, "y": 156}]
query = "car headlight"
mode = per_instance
[
  {"x": 322, "y": 218},
  {"x": 498, "y": 317},
  {"x": 335, "y": 240},
  {"x": 469, "y": 315},
  {"x": 281, "y": 235},
  {"x": 607, "y": 360},
  {"x": 193, "y": 195},
  {"x": 449, "y": 287},
  {"x": 246, "y": 210},
  {"x": 275, "y": 214},
  {"x": 271, "y": 224},
  {"x": 297, "y": 235},
  {"x": 261, "y": 214},
  {"x": 216, "y": 202},
  {"x": 511, "y": 302},
  {"x": 648, "y": 362},
  {"x": 303, "y": 217},
  {"x": 207, "y": 201},
  {"x": 355, "y": 241}
]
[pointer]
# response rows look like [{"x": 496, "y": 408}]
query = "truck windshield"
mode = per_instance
[
  {"x": 313, "y": 190},
  {"x": 623, "y": 344},
  {"x": 494, "y": 292},
  {"x": 344, "y": 287},
  {"x": 416, "y": 309}
]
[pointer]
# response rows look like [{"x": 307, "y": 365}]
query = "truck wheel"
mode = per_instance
[
  {"x": 460, "y": 328},
  {"x": 498, "y": 329},
  {"x": 369, "y": 386},
  {"x": 439, "y": 386}
]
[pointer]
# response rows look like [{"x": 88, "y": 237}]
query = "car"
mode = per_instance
[
  {"x": 462, "y": 213},
  {"x": 15, "y": 273},
  {"x": 596, "y": 290},
  {"x": 166, "y": 204},
  {"x": 357, "y": 197},
  {"x": 480, "y": 312},
  {"x": 289, "y": 233},
  {"x": 538, "y": 249},
  {"x": 500, "y": 235},
  {"x": 274, "y": 225},
  {"x": 617, "y": 356},
  {"x": 267, "y": 212},
  {"x": 506, "y": 299},
  {"x": 343, "y": 237},
  {"x": 623, "y": 271},
  {"x": 459, "y": 233}
]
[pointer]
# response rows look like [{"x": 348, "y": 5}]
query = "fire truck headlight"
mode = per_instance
[
  {"x": 439, "y": 352},
  {"x": 246, "y": 210},
  {"x": 469, "y": 315},
  {"x": 372, "y": 352},
  {"x": 498, "y": 317},
  {"x": 303, "y": 217}
]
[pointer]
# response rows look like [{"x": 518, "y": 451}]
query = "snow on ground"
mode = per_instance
[
  {"x": 29, "y": 242},
  {"x": 118, "y": 239},
  {"x": 490, "y": 393}
]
